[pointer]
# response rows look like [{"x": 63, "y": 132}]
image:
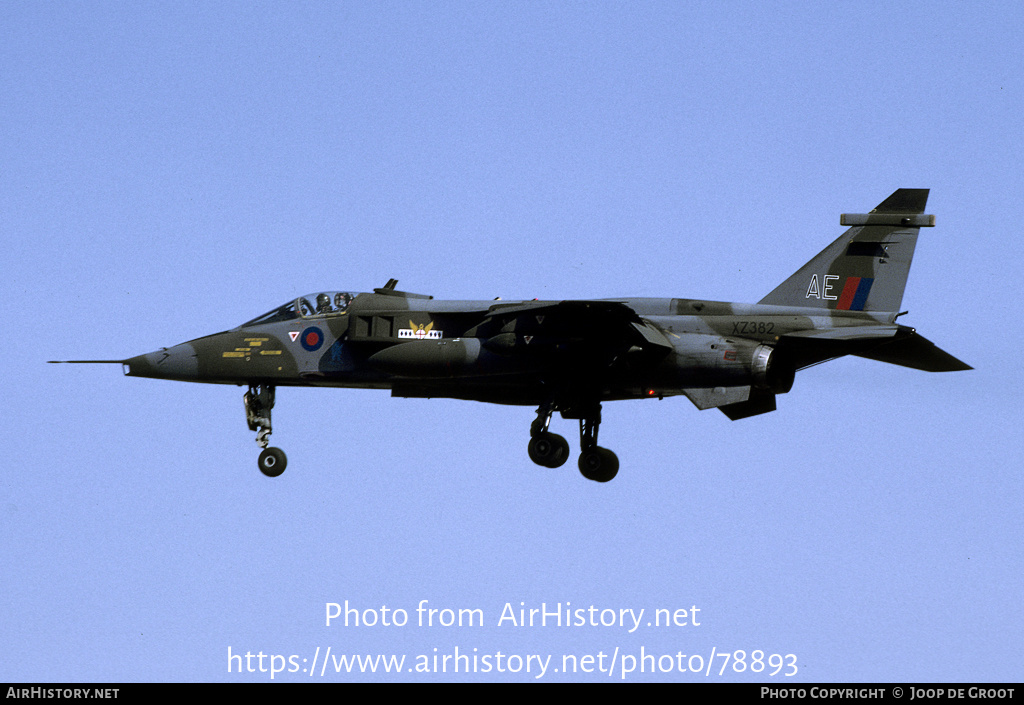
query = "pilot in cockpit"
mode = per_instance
[{"x": 323, "y": 303}]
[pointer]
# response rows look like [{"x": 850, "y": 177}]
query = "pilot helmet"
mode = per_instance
[{"x": 323, "y": 303}]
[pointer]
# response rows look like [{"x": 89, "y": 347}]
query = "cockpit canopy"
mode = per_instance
[{"x": 326, "y": 303}]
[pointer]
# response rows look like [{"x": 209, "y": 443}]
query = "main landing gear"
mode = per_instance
[
  {"x": 551, "y": 450},
  {"x": 259, "y": 401},
  {"x": 546, "y": 449}
]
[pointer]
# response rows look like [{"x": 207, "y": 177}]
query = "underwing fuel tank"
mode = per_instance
[{"x": 439, "y": 358}]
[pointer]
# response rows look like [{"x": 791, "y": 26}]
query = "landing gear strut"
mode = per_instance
[
  {"x": 551, "y": 450},
  {"x": 596, "y": 463},
  {"x": 259, "y": 401},
  {"x": 547, "y": 449}
]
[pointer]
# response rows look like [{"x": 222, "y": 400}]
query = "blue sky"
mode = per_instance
[{"x": 174, "y": 169}]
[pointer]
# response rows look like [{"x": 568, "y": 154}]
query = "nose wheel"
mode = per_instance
[
  {"x": 272, "y": 462},
  {"x": 259, "y": 401}
]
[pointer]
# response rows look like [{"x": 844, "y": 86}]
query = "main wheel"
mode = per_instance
[
  {"x": 548, "y": 450},
  {"x": 272, "y": 462},
  {"x": 598, "y": 464}
]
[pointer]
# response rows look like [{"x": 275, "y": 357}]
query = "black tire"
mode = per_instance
[
  {"x": 599, "y": 464},
  {"x": 548, "y": 450},
  {"x": 272, "y": 462}
]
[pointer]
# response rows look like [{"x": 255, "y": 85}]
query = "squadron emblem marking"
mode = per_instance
[{"x": 420, "y": 332}]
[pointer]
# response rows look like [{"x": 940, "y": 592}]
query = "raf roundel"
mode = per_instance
[{"x": 312, "y": 338}]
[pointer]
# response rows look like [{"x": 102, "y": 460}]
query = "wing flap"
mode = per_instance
[
  {"x": 570, "y": 330},
  {"x": 652, "y": 337}
]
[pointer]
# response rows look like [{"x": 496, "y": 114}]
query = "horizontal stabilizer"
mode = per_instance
[
  {"x": 844, "y": 333},
  {"x": 917, "y": 352}
]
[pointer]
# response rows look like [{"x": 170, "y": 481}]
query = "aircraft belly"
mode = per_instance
[{"x": 519, "y": 390}]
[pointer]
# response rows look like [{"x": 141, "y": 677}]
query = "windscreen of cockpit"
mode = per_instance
[{"x": 312, "y": 305}]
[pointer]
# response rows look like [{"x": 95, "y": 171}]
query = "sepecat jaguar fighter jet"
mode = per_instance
[{"x": 571, "y": 356}]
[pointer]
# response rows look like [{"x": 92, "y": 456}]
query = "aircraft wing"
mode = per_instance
[
  {"x": 586, "y": 308},
  {"x": 592, "y": 332}
]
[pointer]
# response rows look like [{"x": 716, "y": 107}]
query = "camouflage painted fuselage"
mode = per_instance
[{"x": 571, "y": 356}]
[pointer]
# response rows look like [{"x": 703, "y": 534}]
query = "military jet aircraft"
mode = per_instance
[{"x": 571, "y": 356}]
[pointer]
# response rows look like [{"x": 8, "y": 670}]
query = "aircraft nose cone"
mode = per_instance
[{"x": 178, "y": 362}]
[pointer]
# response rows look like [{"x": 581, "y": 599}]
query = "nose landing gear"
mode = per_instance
[{"x": 259, "y": 401}]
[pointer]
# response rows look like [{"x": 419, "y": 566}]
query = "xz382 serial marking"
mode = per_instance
[{"x": 752, "y": 327}]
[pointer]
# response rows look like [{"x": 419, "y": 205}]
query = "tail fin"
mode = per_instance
[{"x": 866, "y": 268}]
